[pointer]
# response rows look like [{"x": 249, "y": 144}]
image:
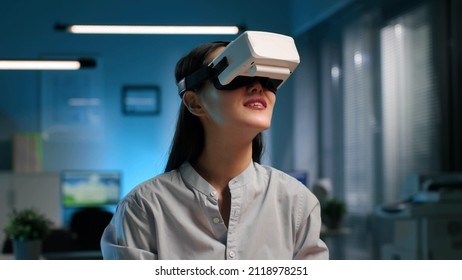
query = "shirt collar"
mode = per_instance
[{"x": 194, "y": 180}]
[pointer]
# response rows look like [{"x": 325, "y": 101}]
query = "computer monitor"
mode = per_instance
[
  {"x": 301, "y": 176},
  {"x": 90, "y": 188}
]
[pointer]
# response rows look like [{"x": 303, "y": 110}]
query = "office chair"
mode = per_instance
[
  {"x": 59, "y": 240},
  {"x": 88, "y": 225},
  {"x": 7, "y": 246}
]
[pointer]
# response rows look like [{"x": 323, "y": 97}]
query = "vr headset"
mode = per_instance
[{"x": 269, "y": 58}]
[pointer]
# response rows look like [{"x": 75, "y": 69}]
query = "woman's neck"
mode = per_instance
[{"x": 223, "y": 158}]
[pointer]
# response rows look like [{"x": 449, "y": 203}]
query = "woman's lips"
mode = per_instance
[{"x": 256, "y": 103}]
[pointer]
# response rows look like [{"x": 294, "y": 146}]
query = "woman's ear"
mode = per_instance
[{"x": 193, "y": 102}]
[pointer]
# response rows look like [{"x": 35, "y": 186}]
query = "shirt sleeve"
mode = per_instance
[
  {"x": 129, "y": 236},
  {"x": 308, "y": 243}
]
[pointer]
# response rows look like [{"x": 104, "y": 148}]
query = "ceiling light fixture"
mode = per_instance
[
  {"x": 148, "y": 29},
  {"x": 46, "y": 64}
]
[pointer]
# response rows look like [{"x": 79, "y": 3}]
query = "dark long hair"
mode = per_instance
[{"x": 188, "y": 141}]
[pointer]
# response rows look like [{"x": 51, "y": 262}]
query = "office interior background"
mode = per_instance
[{"x": 375, "y": 101}]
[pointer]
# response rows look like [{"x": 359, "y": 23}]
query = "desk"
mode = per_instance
[
  {"x": 72, "y": 255},
  {"x": 10, "y": 257},
  {"x": 6, "y": 257},
  {"x": 327, "y": 232},
  {"x": 335, "y": 240}
]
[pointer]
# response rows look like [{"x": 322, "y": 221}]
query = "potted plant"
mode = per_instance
[
  {"x": 27, "y": 229},
  {"x": 333, "y": 211}
]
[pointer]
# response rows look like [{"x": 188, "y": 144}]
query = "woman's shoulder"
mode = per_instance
[
  {"x": 283, "y": 181},
  {"x": 150, "y": 188},
  {"x": 277, "y": 174}
]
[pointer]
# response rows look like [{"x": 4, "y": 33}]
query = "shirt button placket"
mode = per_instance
[
  {"x": 214, "y": 216},
  {"x": 231, "y": 254},
  {"x": 234, "y": 215},
  {"x": 213, "y": 195}
]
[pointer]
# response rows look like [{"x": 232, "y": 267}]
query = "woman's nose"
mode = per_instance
[{"x": 255, "y": 86}]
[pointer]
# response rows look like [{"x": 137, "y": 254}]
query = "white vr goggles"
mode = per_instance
[{"x": 269, "y": 58}]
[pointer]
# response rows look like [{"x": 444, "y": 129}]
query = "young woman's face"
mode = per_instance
[{"x": 246, "y": 107}]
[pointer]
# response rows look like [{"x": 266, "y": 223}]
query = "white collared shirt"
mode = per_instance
[{"x": 175, "y": 216}]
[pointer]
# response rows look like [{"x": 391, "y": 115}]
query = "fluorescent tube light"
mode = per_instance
[
  {"x": 148, "y": 29},
  {"x": 82, "y": 102},
  {"x": 45, "y": 64}
]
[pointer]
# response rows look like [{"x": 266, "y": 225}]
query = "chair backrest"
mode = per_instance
[
  {"x": 88, "y": 225},
  {"x": 7, "y": 246},
  {"x": 60, "y": 240}
]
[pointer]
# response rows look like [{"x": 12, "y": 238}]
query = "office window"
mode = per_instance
[
  {"x": 382, "y": 83},
  {"x": 359, "y": 119},
  {"x": 411, "y": 117},
  {"x": 348, "y": 114},
  {"x": 379, "y": 116}
]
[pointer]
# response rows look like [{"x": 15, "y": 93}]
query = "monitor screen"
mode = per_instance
[
  {"x": 302, "y": 176},
  {"x": 90, "y": 188}
]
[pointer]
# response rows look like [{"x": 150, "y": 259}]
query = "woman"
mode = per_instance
[{"x": 215, "y": 201}]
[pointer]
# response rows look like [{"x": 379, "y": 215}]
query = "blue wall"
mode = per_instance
[
  {"x": 306, "y": 13},
  {"x": 137, "y": 146}
]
